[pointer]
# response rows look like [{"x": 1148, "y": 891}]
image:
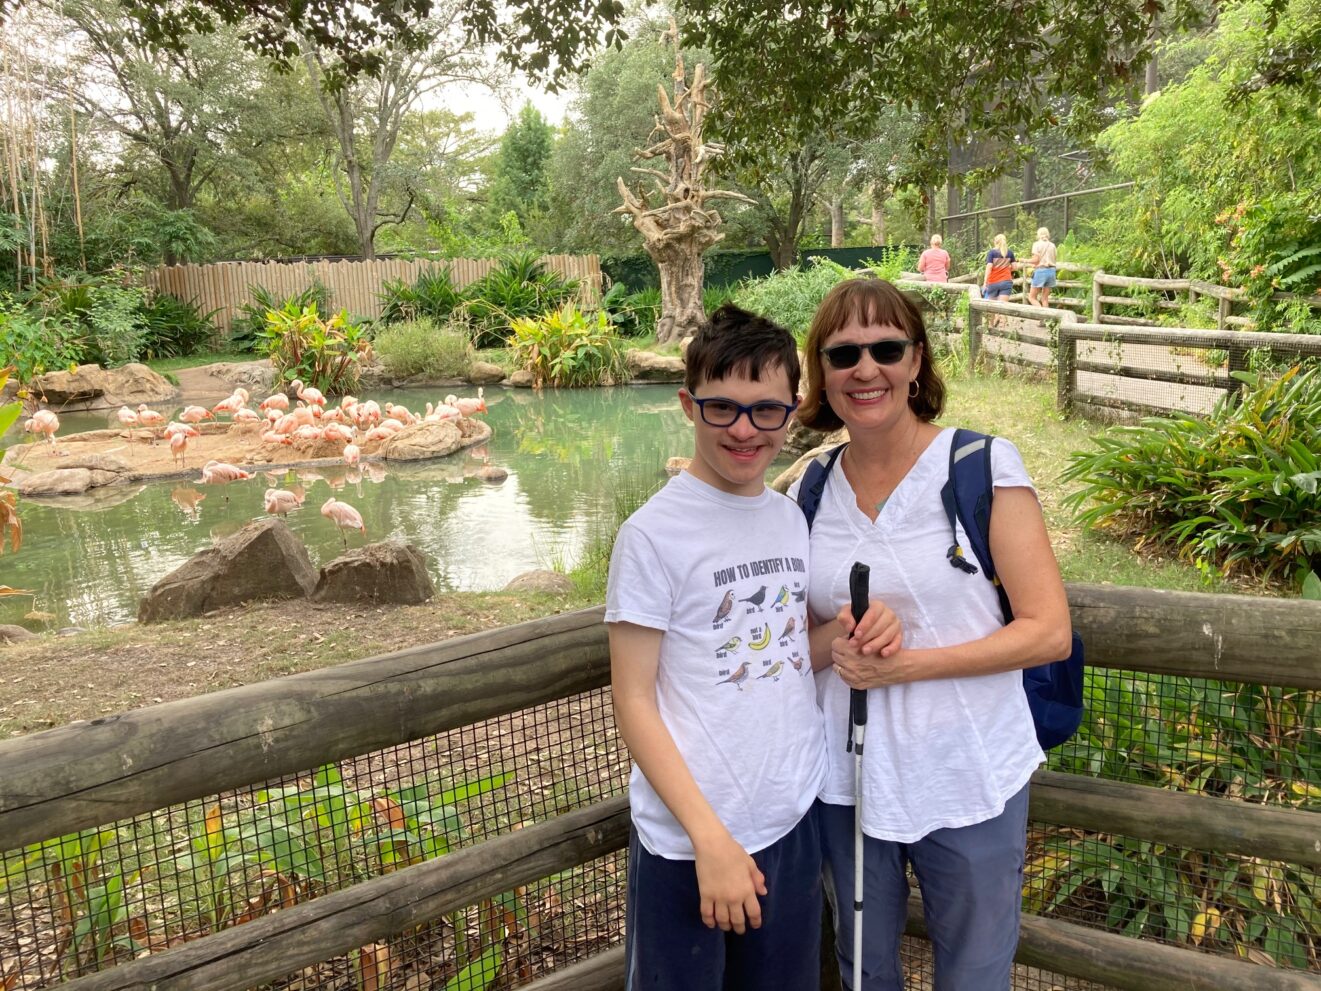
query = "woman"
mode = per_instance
[
  {"x": 998, "y": 280},
  {"x": 950, "y": 740},
  {"x": 933, "y": 264},
  {"x": 1043, "y": 274}
]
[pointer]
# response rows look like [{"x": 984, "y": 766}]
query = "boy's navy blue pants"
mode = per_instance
[{"x": 669, "y": 948}]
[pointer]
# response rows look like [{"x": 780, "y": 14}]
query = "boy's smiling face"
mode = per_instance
[{"x": 734, "y": 459}]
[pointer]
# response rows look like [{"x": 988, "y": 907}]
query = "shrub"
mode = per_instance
[
  {"x": 568, "y": 348},
  {"x": 100, "y": 318},
  {"x": 174, "y": 328},
  {"x": 323, "y": 353},
  {"x": 245, "y": 330},
  {"x": 421, "y": 347},
  {"x": 519, "y": 287},
  {"x": 791, "y": 297},
  {"x": 1240, "y": 489},
  {"x": 432, "y": 295},
  {"x": 30, "y": 347}
]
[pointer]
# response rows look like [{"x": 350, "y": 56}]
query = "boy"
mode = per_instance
[{"x": 711, "y": 677}]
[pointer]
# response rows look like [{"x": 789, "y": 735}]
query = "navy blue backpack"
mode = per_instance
[{"x": 1055, "y": 690}]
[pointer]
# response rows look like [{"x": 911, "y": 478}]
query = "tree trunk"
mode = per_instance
[
  {"x": 953, "y": 205},
  {"x": 681, "y": 293},
  {"x": 878, "y": 213},
  {"x": 1030, "y": 177},
  {"x": 1153, "y": 72},
  {"x": 837, "y": 222},
  {"x": 930, "y": 193}
]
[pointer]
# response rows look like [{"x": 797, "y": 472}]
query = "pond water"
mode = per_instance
[{"x": 568, "y": 453}]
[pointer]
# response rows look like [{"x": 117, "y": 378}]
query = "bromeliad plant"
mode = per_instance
[
  {"x": 1237, "y": 490},
  {"x": 569, "y": 348},
  {"x": 520, "y": 287},
  {"x": 322, "y": 353}
]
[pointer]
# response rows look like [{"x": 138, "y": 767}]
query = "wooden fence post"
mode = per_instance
[
  {"x": 974, "y": 331},
  {"x": 1222, "y": 313},
  {"x": 1097, "y": 276},
  {"x": 1066, "y": 361}
]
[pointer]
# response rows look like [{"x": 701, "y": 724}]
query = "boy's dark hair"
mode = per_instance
[{"x": 734, "y": 341}]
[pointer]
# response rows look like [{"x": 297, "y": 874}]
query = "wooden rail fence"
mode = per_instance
[
  {"x": 355, "y": 285},
  {"x": 59, "y": 781}
]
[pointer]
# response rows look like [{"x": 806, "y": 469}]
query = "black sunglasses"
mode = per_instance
[
  {"x": 717, "y": 411},
  {"x": 887, "y": 352}
]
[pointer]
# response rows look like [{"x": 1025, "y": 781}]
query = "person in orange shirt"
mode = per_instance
[{"x": 998, "y": 282}]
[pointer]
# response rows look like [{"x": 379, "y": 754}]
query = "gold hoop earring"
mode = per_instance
[{"x": 913, "y": 389}]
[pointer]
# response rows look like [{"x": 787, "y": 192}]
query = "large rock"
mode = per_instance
[
  {"x": 76, "y": 475},
  {"x": 391, "y": 572},
  {"x": 541, "y": 581},
  {"x": 427, "y": 439},
  {"x": 786, "y": 478},
  {"x": 485, "y": 373},
  {"x": 264, "y": 560},
  {"x": 372, "y": 377},
  {"x": 648, "y": 366},
  {"x": 94, "y": 387},
  {"x": 12, "y": 634},
  {"x": 258, "y": 377},
  {"x": 801, "y": 439},
  {"x": 521, "y": 379}
]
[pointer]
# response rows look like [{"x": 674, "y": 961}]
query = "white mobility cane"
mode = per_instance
[{"x": 859, "y": 582}]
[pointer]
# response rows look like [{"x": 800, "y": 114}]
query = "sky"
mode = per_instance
[{"x": 493, "y": 117}]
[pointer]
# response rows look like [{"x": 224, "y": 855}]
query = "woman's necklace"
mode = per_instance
[{"x": 872, "y": 491}]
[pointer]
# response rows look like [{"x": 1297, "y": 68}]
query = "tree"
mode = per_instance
[
  {"x": 520, "y": 180},
  {"x": 821, "y": 67},
  {"x": 545, "y": 38},
  {"x": 783, "y": 189},
  {"x": 366, "y": 114},
  {"x": 678, "y": 229}
]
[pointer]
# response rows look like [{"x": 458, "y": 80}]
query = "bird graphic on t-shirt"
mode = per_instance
[
  {"x": 757, "y": 597},
  {"x": 739, "y": 676},
  {"x": 729, "y": 645},
  {"x": 797, "y": 662},
  {"x": 781, "y": 597},
  {"x": 726, "y": 604},
  {"x": 789, "y": 628},
  {"x": 772, "y": 672},
  {"x": 800, "y": 595}
]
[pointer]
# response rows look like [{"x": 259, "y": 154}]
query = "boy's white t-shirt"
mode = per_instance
[
  {"x": 725, "y": 578},
  {"x": 939, "y": 753}
]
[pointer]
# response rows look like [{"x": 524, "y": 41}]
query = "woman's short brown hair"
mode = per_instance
[{"x": 874, "y": 302}]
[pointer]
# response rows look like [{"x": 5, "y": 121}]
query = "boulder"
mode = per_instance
[
  {"x": 56, "y": 482},
  {"x": 648, "y": 366},
  {"x": 541, "y": 581},
  {"x": 258, "y": 377},
  {"x": 786, "y": 478},
  {"x": 390, "y": 572},
  {"x": 677, "y": 464},
  {"x": 264, "y": 560},
  {"x": 372, "y": 377},
  {"x": 427, "y": 439},
  {"x": 521, "y": 379},
  {"x": 801, "y": 439},
  {"x": 491, "y": 473},
  {"x": 94, "y": 387},
  {"x": 485, "y": 373},
  {"x": 12, "y": 634}
]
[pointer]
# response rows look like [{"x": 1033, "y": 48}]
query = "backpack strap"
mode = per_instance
[
  {"x": 967, "y": 496},
  {"x": 813, "y": 485}
]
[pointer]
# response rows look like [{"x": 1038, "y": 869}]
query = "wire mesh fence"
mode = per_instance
[{"x": 99, "y": 898}]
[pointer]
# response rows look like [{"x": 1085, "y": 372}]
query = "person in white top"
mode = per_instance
[
  {"x": 950, "y": 742},
  {"x": 1043, "y": 275},
  {"x": 713, "y": 691}
]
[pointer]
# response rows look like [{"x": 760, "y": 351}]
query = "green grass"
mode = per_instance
[
  {"x": 164, "y": 365},
  {"x": 1024, "y": 412}
]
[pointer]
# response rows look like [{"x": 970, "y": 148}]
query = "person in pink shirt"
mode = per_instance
[{"x": 934, "y": 262}]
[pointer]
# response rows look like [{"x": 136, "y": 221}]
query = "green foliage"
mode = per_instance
[
  {"x": 175, "y": 328},
  {"x": 519, "y": 287},
  {"x": 520, "y": 182},
  {"x": 99, "y": 318},
  {"x": 791, "y": 297},
  {"x": 569, "y": 348},
  {"x": 424, "y": 348},
  {"x": 1238, "y": 489},
  {"x": 245, "y": 330},
  {"x": 30, "y": 346},
  {"x": 893, "y": 264},
  {"x": 324, "y": 354},
  {"x": 432, "y": 296}
]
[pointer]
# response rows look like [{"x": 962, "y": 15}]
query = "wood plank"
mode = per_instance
[
  {"x": 1132, "y": 964},
  {"x": 1196, "y": 822},
  {"x": 1227, "y": 637},
  {"x": 1133, "y": 282},
  {"x": 1084, "y": 400},
  {"x": 275, "y": 945},
  {"x": 1211, "y": 378},
  {"x": 89, "y": 773},
  {"x": 1193, "y": 338},
  {"x": 602, "y": 971}
]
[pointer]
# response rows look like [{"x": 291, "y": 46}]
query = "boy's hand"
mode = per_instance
[
  {"x": 879, "y": 633},
  {"x": 729, "y": 882}
]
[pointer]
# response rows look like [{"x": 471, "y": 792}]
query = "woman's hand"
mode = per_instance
[{"x": 865, "y": 657}]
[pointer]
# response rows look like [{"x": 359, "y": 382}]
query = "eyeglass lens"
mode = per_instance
[
  {"x": 764, "y": 416},
  {"x": 886, "y": 352}
]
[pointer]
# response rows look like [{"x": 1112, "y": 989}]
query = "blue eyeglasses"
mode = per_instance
[{"x": 718, "y": 411}]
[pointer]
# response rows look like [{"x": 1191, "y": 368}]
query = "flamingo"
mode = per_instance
[
  {"x": 128, "y": 417},
  {"x": 351, "y": 454},
  {"x": 273, "y": 437},
  {"x": 467, "y": 405},
  {"x": 178, "y": 447},
  {"x": 376, "y": 434},
  {"x": 230, "y": 405},
  {"x": 343, "y": 516},
  {"x": 195, "y": 414},
  {"x": 174, "y": 429},
  {"x": 44, "y": 422},
  {"x": 400, "y": 413},
  {"x": 307, "y": 394},
  {"x": 187, "y": 499},
  {"x": 150, "y": 419},
  {"x": 309, "y": 433},
  {"x": 277, "y": 401},
  {"x": 337, "y": 431},
  {"x": 445, "y": 412},
  {"x": 245, "y": 415},
  {"x": 280, "y": 502},
  {"x": 220, "y": 473}
]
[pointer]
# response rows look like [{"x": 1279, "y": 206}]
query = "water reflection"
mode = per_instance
[{"x": 568, "y": 453}]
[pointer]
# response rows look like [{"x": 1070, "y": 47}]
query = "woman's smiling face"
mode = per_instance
[{"x": 870, "y": 395}]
